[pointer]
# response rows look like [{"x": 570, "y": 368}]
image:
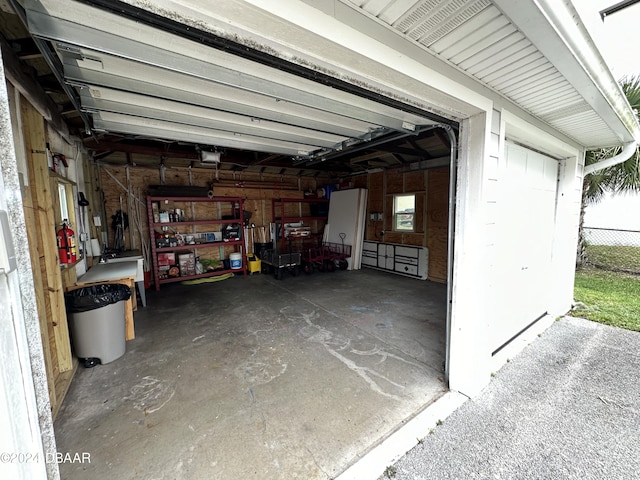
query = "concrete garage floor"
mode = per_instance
[{"x": 256, "y": 378}]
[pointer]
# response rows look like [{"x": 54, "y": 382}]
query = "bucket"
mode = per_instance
[
  {"x": 236, "y": 261},
  {"x": 254, "y": 264}
]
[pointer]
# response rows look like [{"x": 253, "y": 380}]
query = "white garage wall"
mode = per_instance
[
  {"x": 562, "y": 232},
  {"x": 566, "y": 232},
  {"x": 481, "y": 291},
  {"x": 468, "y": 360},
  {"x": 25, "y": 412}
]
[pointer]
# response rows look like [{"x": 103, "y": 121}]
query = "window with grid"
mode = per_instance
[{"x": 404, "y": 207}]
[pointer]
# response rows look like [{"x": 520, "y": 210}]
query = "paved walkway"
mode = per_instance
[{"x": 567, "y": 407}]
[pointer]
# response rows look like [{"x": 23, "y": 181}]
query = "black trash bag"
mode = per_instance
[{"x": 96, "y": 296}]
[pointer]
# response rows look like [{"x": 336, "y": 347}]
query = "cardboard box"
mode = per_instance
[
  {"x": 187, "y": 264},
  {"x": 166, "y": 259},
  {"x": 163, "y": 271}
]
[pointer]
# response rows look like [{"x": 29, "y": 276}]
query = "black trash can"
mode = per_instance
[{"x": 97, "y": 322}]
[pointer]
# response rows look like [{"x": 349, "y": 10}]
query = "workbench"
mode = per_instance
[
  {"x": 126, "y": 257},
  {"x": 123, "y": 272}
]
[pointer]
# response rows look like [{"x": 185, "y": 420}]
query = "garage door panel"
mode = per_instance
[
  {"x": 166, "y": 110},
  {"x": 195, "y": 91},
  {"x": 107, "y": 50}
]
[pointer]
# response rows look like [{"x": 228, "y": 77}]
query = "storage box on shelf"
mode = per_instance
[
  {"x": 193, "y": 237},
  {"x": 299, "y": 219}
]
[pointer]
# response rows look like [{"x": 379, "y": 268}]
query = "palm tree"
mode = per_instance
[{"x": 624, "y": 177}]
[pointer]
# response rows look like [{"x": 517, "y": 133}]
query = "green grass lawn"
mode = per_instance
[{"x": 611, "y": 298}]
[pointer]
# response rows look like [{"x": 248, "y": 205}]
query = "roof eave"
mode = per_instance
[{"x": 550, "y": 23}]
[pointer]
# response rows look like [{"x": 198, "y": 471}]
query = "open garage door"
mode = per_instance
[
  {"x": 132, "y": 72},
  {"x": 526, "y": 225}
]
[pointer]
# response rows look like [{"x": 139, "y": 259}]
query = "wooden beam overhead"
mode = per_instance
[
  {"x": 130, "y": 148},
  {"x": 25, "y": 48},
  {"x": 31, "y": 90},
  {"x": 443, "y": 137}
]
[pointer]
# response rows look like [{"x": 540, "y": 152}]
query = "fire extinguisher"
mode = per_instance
[{"x": 66, "y": 244}]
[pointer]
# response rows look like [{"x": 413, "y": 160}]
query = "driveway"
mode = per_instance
[{"x": 567, "y": 407}]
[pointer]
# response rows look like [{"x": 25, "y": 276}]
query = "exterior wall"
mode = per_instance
[
  {"x": 564, "y": 233},
  {"x": 614, "y": 212},
  {"x": 468, "y": 362},
  {"x": 347, "y": 45},
  {"x": 478, "y": 289},
  {"x": 25, "y": 415}
]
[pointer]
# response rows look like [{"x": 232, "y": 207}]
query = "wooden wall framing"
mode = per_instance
[
  {"x": 257, "y": 190},
  {"x": 431, "y": 188},
  {"x": 48, "y": 278}
]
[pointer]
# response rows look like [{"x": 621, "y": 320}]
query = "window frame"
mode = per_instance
[{"x": 396, "y": 213}]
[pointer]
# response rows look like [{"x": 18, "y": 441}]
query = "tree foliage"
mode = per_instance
[
  {"x": 621, "y": 178},
  {"x": 624, "y": 177}
]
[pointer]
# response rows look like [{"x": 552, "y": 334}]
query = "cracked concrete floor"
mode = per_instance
[{"x": 256, "y": 378}]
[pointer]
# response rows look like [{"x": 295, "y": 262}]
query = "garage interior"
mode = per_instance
[
  {"x": 260, "y": 378},
  {"x": 250, "y": 377}
]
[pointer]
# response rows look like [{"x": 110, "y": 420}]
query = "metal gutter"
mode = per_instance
[
  {"x": 627, "y": 152},
  {"x": 616, "y": 8}
]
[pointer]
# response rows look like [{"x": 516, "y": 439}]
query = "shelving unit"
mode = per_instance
[
  {"x": 204, "y": 222},
  {"x": 281, "y": 214}
]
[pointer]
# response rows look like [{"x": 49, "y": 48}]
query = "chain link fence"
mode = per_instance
[{"x": 613, "y": 249}]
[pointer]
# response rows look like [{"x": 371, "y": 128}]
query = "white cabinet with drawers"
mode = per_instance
[{"x": 406, "y": 260}]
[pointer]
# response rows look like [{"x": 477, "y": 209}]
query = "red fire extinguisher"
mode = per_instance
[{"x": 66, "y": 244}]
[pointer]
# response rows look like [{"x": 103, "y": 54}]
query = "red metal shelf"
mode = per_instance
[{"x": 235, "y": 204}]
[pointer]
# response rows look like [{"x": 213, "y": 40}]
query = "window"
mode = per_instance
[
  {"x": 404, "y": 207},
  {"x": 63, "y": 200},
  {"x": 64, "y": 209}
]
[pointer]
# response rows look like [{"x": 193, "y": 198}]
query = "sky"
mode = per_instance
[
  {"x": 616, "y": 37},
  {"x": 617, "y": 40}
]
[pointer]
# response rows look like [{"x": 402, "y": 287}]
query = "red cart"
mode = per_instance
[{"x": 326, "y": 257}]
